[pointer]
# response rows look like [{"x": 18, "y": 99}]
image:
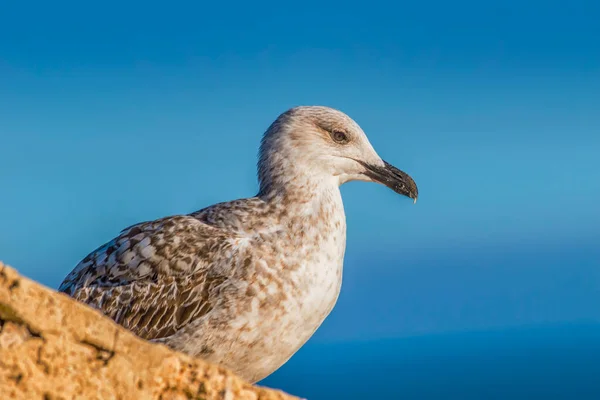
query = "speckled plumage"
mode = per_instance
[{"x": 243, "y": 283}]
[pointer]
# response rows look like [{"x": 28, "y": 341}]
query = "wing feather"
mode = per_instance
[{"x": 156, "y": 276}]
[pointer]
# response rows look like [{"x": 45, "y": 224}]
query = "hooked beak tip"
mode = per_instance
[{"x": 397, "y": 180}]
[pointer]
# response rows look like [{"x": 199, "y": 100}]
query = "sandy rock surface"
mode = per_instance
[{"x": 52, "y": 347}]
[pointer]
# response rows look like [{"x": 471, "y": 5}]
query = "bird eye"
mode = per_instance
[{"x": 339, "y": 137}]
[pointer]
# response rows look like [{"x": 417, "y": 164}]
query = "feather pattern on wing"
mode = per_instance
[{"x": 156, "y": 276}]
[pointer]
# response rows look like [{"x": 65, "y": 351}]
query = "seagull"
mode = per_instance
[{"x": 244, "y": 283}]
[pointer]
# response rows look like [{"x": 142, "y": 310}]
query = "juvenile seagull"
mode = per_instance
[{"x": 244, "y": 283}]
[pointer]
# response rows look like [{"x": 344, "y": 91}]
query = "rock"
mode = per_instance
[{"x": 53, "y": 347}]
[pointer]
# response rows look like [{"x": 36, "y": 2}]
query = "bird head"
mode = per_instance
[{"x": 321, "y": 143}]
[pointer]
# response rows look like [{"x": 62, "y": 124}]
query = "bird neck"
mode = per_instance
[
  {"x": 297, "y": 191},
  {"x": 304, "y": 204}
]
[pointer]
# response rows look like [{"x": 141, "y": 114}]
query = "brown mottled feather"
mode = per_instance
[
  {"x": 154, "y": 310},
  {"x": 155, "y": 277}
]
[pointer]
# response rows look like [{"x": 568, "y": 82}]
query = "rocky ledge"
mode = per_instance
[{"x": 53, "y": 347}]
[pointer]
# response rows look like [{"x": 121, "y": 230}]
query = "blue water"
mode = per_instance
[{"x": 542, "y": 362}]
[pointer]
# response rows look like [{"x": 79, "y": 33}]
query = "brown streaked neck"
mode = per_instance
[
  {"x": 305, "y": 206},
  {"x": 300, "y": 190}
]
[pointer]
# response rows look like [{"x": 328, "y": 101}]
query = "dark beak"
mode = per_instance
[{"x": 399, "y": 181}]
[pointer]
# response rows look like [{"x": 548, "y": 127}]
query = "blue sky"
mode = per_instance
[{"x": 113, "y": 113}]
